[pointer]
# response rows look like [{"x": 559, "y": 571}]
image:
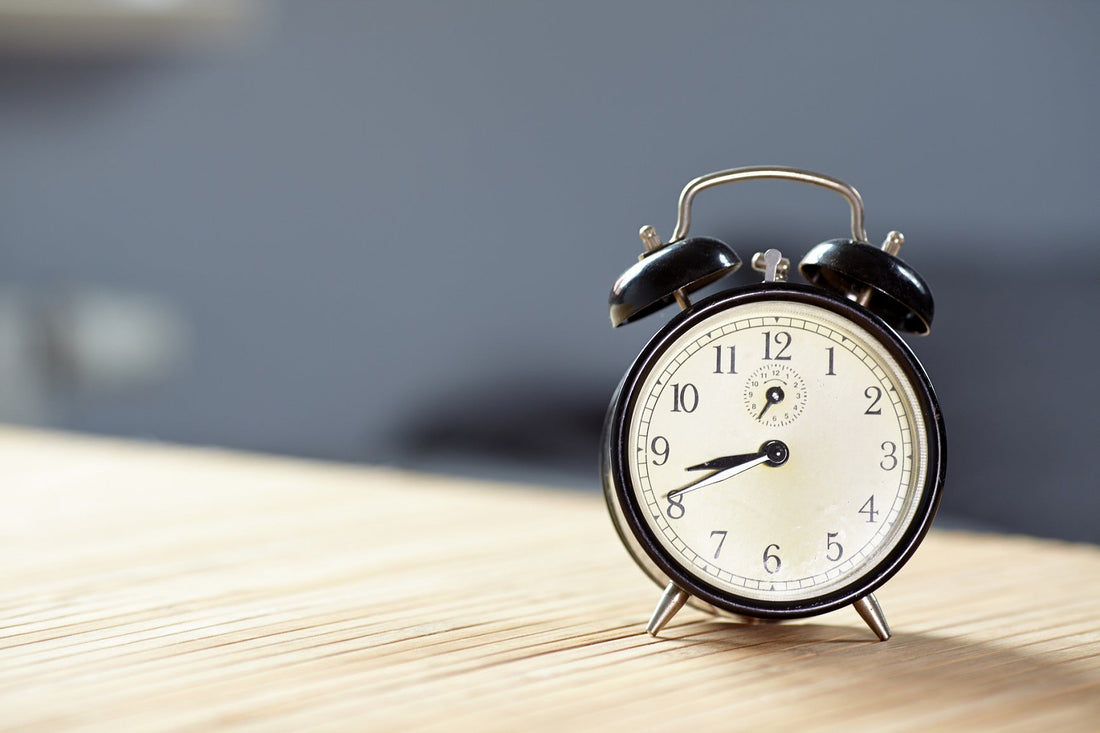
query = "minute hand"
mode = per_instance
[
  {"x": 774, "y": 453},
  {"x": 752, "y": 459}
]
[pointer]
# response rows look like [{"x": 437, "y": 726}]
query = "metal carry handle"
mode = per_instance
[{"x": 750, "y": 173}]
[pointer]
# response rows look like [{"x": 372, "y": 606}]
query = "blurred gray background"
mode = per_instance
[{"x": 385, "y": 231}]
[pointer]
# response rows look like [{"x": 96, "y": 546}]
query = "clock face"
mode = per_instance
[{"x": 778, "y": 451}]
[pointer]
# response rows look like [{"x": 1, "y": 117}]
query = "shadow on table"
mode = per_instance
[{"x": 976, "y": 683}]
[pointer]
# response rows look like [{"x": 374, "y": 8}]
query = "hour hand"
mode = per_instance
[
  {"x": 724, "y": 462},
  {"x": 774, "y": 453}
]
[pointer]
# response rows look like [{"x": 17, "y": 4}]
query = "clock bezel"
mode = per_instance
[{"x": 618, "y": 473}]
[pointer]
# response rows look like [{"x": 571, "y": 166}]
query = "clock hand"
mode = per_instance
[
  {"x": 773, "y": 453},
  {"x": 774, "y": 396},
  {"x": 725, "y": 462},
  {"x": 720, "y": 475}
]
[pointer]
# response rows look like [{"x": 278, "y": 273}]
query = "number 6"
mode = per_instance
[{"x": 769, "y": 556}]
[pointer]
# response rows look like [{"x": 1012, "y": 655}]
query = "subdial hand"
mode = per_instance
[
  {"x": 772, "y": 453},
  {"x": 774, "y": 396}
]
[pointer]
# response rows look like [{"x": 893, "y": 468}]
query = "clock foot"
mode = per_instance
[
  {"x": 871, "y": 613},
  {"x": 672, "y": 600}
]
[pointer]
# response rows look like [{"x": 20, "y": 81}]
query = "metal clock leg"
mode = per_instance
[
  {"x": 871, "y": 613},
  {"x": 672, "y": 600}
]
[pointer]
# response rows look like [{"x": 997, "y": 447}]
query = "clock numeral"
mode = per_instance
[
  {"x": 675, "y": 506},
  {"x": 782, "y": 340},
  {"x": 684, "y": 399},
  {"x": 889, "y": 461},
  {"x": 718, "y": 360},
  {"x": 875, "y": 395},
  {"x": 868, "y": 508},
  {"x": 832, "y": 546},
  {"x": 830, "y": 373},
  {"x": 721, "y": 540},
  {"x": 659, "y": 446},
  {"x": 769, "y": 565}
]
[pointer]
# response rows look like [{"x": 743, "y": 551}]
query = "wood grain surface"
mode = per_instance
[{"x": 147, "y": 587}]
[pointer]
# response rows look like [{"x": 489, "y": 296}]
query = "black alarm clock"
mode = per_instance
[{"x": 775, "y": 451}]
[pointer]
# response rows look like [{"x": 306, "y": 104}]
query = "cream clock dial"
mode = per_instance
[
  {"x": 854, "y": 468},
  {"x": 780, "y": 452}
]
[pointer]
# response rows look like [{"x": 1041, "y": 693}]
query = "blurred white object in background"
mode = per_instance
[
  {"x": 84, "y": 342},
  {"x": 120, "y": 26},
  {"x": 104, "y": 340},
  {"x": 23, "y": 377}
]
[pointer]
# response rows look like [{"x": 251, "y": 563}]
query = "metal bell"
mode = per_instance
[
  {"x": 875, "y": 278},
  {"x": 667, "y": 274}
]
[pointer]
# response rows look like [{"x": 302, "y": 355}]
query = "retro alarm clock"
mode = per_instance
[{"x": 776, "y": 451}]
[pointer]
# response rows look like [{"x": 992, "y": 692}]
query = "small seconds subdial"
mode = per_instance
[{"x": 775, "y": 394}]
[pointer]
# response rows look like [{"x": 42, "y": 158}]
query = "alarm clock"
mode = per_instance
[{"x": 775, "y": 451}]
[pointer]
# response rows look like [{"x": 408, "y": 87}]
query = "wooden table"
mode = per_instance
[{"x": 149, "y": 587}]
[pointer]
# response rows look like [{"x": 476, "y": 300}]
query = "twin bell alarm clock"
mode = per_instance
[{"x": 775, "y": 451}]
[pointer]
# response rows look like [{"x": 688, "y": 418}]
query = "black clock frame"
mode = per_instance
[{"x": 615, "y": 454}]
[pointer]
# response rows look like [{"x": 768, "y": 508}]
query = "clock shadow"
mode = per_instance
[
  {"x": 979, "y": 682},
  {"x": 737, "y": 632}
]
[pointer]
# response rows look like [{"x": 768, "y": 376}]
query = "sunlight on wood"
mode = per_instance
[{"x": 149, "y": 587}]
